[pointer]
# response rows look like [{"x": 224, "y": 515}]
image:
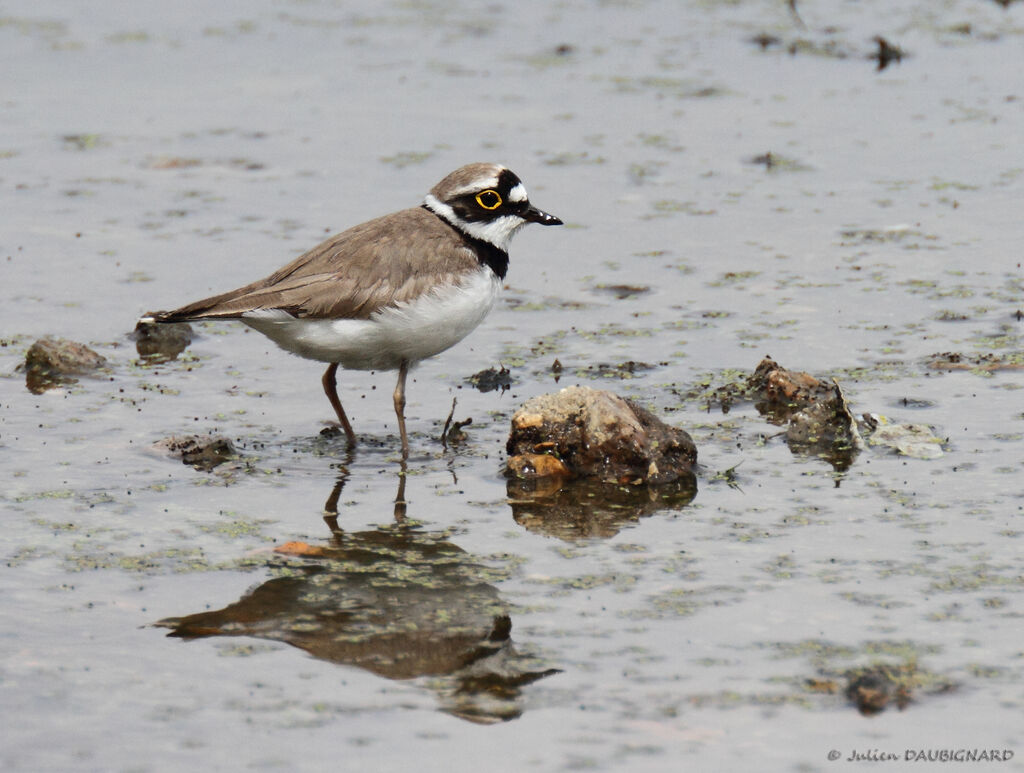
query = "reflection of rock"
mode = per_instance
[
  {"x": 161, "y": 343},
  {"x": 51, "y": 362},
  {"x": 396, "y": 602},
  {"x": 584, "y": 509},
  {"x": 597, "y": 434},
  {"x": 204, "y": 452},
  {"x": 817, "y": 417}
]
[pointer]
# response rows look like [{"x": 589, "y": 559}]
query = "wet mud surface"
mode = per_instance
[{"x": 738, "y": 180}]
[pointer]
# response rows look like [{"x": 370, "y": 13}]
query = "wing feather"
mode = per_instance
[{"x": 351, "y": 275}]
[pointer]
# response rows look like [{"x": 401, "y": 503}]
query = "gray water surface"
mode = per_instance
[{"x": 154, "y": 153}]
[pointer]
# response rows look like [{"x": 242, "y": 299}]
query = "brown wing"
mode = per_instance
[{"x": 392, "y": 259}]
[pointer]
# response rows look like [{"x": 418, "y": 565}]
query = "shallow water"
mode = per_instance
[{"x": 154, "y": 153}]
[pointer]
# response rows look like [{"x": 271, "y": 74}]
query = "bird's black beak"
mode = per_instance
[{"x": 534, "y": 215}]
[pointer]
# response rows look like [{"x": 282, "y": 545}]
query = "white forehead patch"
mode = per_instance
[
  {"x": 518, "y": 194},
  {"x": 476, "y": 185}
]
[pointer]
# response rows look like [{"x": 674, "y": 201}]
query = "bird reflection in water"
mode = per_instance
[{"x": 397, "y": 601}]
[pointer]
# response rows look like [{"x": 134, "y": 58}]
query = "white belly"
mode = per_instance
[{"x": 410, "y": 331}]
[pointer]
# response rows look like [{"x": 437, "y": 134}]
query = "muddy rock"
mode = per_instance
[
  {"x": 163, "y": 342},
  {"x": 827, "y": 421},
  {"x": 597, "y": 434},
  {"x": 871, "y": 694},
  {"x": 872, "y": 688},
  {"x": 816, "y": 415},
  {"x": 51, "y": 362},
  {"x": 204, "y": 452},
  {"x": 782, "y": 392},
  {"x": 539, "y": 466}
]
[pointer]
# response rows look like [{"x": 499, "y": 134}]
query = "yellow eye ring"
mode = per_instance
[{"x": 489, "y": 199}]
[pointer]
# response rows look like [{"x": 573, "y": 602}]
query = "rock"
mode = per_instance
[
  {"x": 871, "y": 694},
  {"x": 782, "y": 392},
  {"x": 161, "y": 342},
  {"x": 51, "y": 362},
  {"x": 827, "y": 422},
  {"x": 871, "y": 688},
  {"x": 597, "y": 434},
  {"x": 539, "y": 466},
  {"x": 816, "y": 414},
  {"x": 204, "y": 452}
]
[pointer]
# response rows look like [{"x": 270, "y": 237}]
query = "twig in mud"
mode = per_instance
[{"x": 447, "y": 424}]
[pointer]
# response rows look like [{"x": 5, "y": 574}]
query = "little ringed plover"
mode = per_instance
[{"x": 390, "y": 292}]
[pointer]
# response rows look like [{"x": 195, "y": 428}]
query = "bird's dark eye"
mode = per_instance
[{"x": 489, "y": 199}]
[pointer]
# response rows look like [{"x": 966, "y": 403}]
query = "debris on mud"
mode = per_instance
[
  {"x": 618, "y": 370},
  {"x": 204, "y": 452},
  {"x": 161, "y": 342},
  {"x": 51, "y": 362},
  {"x": 914, "y": 440},
  {"x": 815, "y": 413},
  {"x": 764, "y": 41},
  {"x": 875, "y": 687},
  {"x": 556, "y": 369},
  {"x": 825, "y": 49},
  {"x": 621, "y": 292},
  {"x": 452, "y": 431},
  {"x": 773, "y": 162},
  {"x": 901, "y": 234},
  {"x": 596, "y": 434},
  {"x": 491, "y": 380},
  {"x": 830, "y": 46},
  {"x": 887, "y": 53},
  {"x": 872, "y": 688},
  {"x": 980, "y": 363}
]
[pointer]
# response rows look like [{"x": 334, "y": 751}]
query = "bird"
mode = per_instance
[{"x": 392, "y": 291}]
